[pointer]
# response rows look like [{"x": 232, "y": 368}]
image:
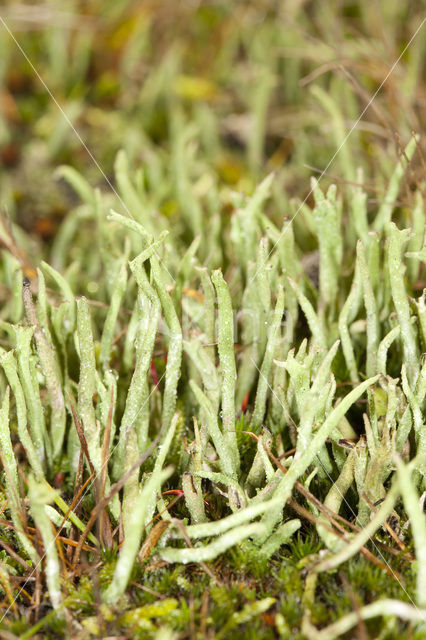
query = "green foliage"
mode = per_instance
[{"x": 192, "y": 314}]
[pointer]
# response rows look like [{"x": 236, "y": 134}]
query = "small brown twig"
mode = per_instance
[
  {"x": 389, "y": 529},
  {"x": 105, "y": 500}
]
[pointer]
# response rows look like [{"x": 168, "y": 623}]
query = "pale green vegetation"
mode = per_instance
[{"x": 212, "y": 362}]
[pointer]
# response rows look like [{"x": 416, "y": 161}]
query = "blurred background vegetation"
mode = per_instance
[{"x": 244, "y": 88}]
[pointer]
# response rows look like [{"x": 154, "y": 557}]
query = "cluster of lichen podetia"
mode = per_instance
[{"x": 363, "y": 327}]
